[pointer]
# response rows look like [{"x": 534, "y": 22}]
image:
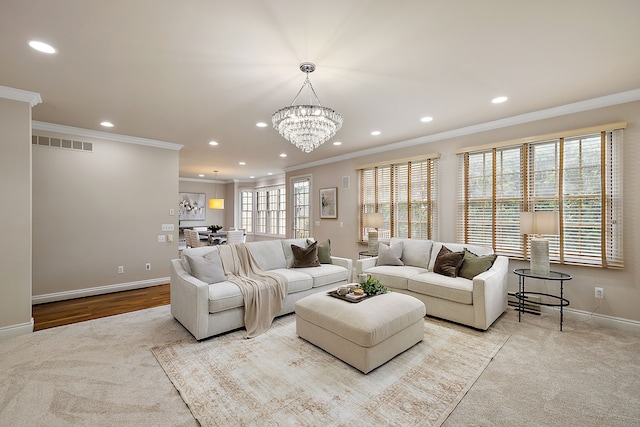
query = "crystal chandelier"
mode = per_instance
[{"x": 307, "y": 126}]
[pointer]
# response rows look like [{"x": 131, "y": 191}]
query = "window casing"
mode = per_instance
[
  {"x": 578, "y": 175},
  {"x": 406, "y": 193},
  {"x": 301, "y": 207},
  {"x": 269, "y": 215},
  {"x": 246, "y": 210}
]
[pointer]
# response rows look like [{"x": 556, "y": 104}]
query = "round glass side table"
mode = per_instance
[{"x": 524, "y": 296}]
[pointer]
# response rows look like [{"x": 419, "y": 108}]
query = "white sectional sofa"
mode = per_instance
[
  {"x": 207, "y": 309},
  {"x": 475, "y": 302}
]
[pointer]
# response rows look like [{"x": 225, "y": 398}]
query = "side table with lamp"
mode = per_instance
[{"x": 534, "y": 225}]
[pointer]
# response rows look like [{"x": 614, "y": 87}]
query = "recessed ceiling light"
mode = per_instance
[
  {"x": 283, "y": 155},
  {"x": 376, "y": 133},
  {"x": 242, "y": 163},
  {"x": 201, "y": 175},
  {"x": 42, "y": 47},
  {"x": 269, "y": 173},
  {"x": 261, "y": 124},
  {"x": 499, "y": 99},
  {"x": 251, "y": 176},
  {"x": 426, "y": 119},
  {"x": 213, "y": 143},
  {"x": 106, "y": 124},
  {"x": 337, "y": 143}
]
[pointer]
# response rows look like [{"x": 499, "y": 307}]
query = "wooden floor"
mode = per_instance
[{"x": 76, "y": 310}]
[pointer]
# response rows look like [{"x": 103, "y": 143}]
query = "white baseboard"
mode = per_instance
[
  {"x": 79, "y": 293},
  {"x": 619, "y": 323},
  {"x": 15, "y": 330}
]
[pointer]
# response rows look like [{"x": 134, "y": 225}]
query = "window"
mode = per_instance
[
  {"x": 577, "y": 173},
  {"x": 301, "y": 207},
  {"x": 405, "y": 192},
  {"x": 246, "y": 210},
  {"x": 270, "y": 210}
]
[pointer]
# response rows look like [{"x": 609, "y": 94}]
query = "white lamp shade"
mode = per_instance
[
  {"x": 216, "y": 203},
  {"x": 539, "y": 222},
  {"x": 373, "y": 220}
]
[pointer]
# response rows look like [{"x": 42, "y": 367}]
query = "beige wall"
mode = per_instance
[
  {"x": 621, "y": 287},
  {"x": 95, "y": 211},
  {"x": 15, "y": 217}
]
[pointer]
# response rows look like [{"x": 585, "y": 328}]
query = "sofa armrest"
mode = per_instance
[
  {"x": 365, "y": 263},
  {"x": 490, "y": 293},
  {"x": 189, "y": 300},
  {"x": 343, "y": 262}
]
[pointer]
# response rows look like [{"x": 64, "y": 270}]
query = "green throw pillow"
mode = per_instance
[
  {"x": 324, "y": 251},
  {"x": 473, "y": 264}
]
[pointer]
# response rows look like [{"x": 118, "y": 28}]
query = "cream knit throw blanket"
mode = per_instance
[{"x": 263, "y": 291}]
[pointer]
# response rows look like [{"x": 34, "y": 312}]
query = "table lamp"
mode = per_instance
[
  {"x": 373, "y": 221},
  {"x": 535, "y": 224}
]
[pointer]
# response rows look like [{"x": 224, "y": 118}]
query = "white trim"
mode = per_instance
[
  {"x": 32, "y": 98},
  {"x": 15, "y": 330},
  {"x": 79, "y": 293},
  {"x": 576, "y": 107},
  {"x": 88, "y": 133},
  {"x": 619, "y": 323}
]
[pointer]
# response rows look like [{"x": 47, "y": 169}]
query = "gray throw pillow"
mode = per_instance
[
  {"x": 448, "y": 263},
  {"x": 389, "y": 255},
  {"x": 305, "y": 257},
  {"x": 473, "y": 264},
  {"x": 207, "y": 268}
]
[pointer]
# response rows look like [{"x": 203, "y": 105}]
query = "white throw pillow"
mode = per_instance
[
  {"x": 389, "y": 255},
  {"x": 207, "y": 268}
]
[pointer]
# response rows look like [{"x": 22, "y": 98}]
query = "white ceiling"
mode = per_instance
[{"x": 191, "y": 71}]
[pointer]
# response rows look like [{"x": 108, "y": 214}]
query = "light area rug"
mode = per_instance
[{"x": 279, "y": 379}]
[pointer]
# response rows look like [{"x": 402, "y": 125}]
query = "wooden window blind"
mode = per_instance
[
  {"x": 406, "y": 193},
  {"x": 580, "y": 176}
]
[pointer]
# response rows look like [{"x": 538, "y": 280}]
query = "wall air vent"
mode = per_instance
[{"x": 45, "y": 141}]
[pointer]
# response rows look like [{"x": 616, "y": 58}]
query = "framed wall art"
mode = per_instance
[
  {"x": 329, "y": 203},
  {"x": 192, "y": 206}
]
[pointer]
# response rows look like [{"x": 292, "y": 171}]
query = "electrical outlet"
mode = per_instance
[
  {"x": 147, "y": 266},
  {"x": 120, "y": 269},
  {"x": 599, "y": 293}
]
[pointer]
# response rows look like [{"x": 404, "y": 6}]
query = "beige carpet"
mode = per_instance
[{"x": 280, "y": 379}]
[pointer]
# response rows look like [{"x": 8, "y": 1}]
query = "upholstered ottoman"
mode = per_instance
[{"x": 364, "y": 334}]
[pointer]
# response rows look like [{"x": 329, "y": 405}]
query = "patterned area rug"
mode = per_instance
[{"x": 279, "y": 379}]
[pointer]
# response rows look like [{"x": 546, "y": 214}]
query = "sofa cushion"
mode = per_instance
[
  {"x": 268, "y": 254},
  {"x": 415, "y": 252},
  {"x": 389, "y": 255},
  {"x": 297, "y": 279},
  {"x": 456, "y": 289},
  {"x": 305, "y": 257},
  {"x": 207, "y": 268},
  {"x": 448, "y": 262},
  {"x": 224, "y": 296},
  {"x": 457, "y": 247},
  {"x": 473, "y": 264},
  {"x": 396, "y": 277},
  {"x": 326, "y": 274}
]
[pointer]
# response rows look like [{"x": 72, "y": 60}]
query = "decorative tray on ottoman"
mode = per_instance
[{"x": 349, "y": 297}]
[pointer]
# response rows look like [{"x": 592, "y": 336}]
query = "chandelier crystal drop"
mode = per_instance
[{"x": 307, "y": 126}]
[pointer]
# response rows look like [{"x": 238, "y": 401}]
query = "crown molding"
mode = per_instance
[
  {"x": 576, "y": 107},
  {"x": 88, "y": 133},
  {"x": 202, "y": 180},
  {"x": 32, "y": 98}
]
